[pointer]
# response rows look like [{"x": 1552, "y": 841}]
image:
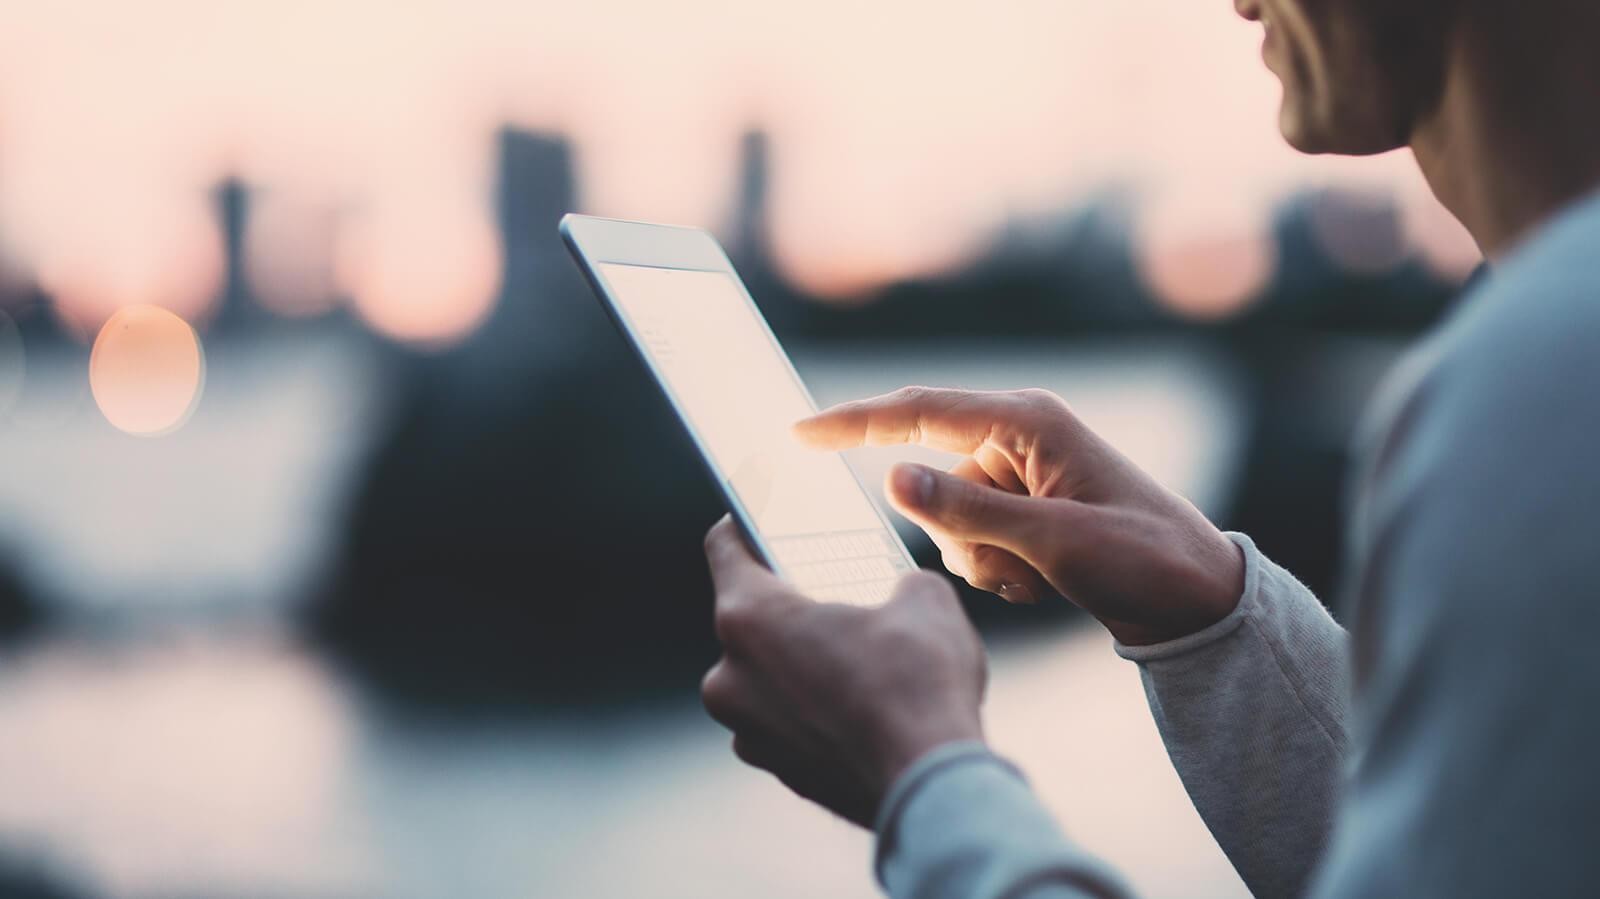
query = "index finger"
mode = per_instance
[{"x": 956, "y": 421}]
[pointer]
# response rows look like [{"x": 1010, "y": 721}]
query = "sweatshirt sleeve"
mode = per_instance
[
  {"x": 1253, "y": 711},
  {"x": 962, "y": 823}
]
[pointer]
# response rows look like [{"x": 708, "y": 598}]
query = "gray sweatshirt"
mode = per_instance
[{"x": 1446, "y": 746}]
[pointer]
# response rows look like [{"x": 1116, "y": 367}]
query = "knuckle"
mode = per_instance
[
  {"x": 715, "y": 680},
  {"x": 986, "y": 583},
  {"x": 1042, "y": 400},
  {"x": 716, "y": 535},
  {"x": 958, "y": 563},
  {"x": 987, "y": 580},
  {"x": 990, "y": 562},
  {"x": 986, "y": 556},
  {"x": 736, "y": 620},
  {"x": 717, "y": 689},
  {"x": 1057, "y": 537},
  {"x": 745, "y": 751},
  {"x": 921, "y": 396}
]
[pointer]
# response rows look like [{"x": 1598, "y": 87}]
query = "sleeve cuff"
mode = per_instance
[
  {"x": 920, "y": 774},
  {"x": 1202, "y": 638}
]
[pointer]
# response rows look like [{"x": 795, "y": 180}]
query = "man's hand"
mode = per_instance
[
  {"x": 1040, "y": 503},
  {"x": 835, "y": 700}
]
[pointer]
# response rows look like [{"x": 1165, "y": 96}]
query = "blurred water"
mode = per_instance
[
  {"x": 243, "y": 766},
  {"x": 236, "y": 511},
  {"x": 232, "y": 513}
]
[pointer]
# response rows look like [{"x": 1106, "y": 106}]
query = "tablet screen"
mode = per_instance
[{"x": 739, "y": 395}]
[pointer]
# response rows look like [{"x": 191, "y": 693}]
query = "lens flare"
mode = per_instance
[{"x": 146, "y": 370}]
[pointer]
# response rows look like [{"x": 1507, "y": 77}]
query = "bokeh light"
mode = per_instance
[
  {"x": 1359, "y": 231},
  {"x": 132, "y": 251},
  {"x": 425, "y": 273},
  {"x": 147, "y": 370},
  {"x": 1203, "y": 259}
]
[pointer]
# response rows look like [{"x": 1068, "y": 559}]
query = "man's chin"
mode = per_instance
[{"x": 1316, "y": 138}]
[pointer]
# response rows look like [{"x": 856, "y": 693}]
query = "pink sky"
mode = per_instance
[{"x": 902, "y": 133}]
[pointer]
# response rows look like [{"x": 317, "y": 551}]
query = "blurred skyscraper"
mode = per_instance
[
  {"x": 528, "y": 526},
  {"x": 748, "y": 239}
]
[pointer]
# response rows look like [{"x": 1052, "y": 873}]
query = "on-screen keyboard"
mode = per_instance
[{"x": 852, "y": 567}]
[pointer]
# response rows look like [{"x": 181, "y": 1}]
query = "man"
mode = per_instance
[{"x": 1445, "y": 747}]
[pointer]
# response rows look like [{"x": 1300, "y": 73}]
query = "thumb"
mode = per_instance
[{"x": 964, "y": 510}]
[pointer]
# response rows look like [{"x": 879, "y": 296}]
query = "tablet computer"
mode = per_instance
[{"x": 678, "y": 302}]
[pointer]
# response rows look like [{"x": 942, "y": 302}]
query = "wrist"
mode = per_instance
[
  {"x": 1208, "y": 588},
  {"x": 899, "y": 753}
]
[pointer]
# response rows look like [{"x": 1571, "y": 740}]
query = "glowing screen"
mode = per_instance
[{"x": 736, "y": 390}]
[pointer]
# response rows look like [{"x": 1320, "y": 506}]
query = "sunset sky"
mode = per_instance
[{"x": 902, "y": 134}]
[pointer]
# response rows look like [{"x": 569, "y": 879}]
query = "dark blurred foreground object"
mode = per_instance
[
  {"x": 528, "y": 528},
  {"x": 549, "y": 551},
  {"x": 1315, "y": 352},
  {"x": 20, "y": 611},
  {"x": 27, "y": 878}
]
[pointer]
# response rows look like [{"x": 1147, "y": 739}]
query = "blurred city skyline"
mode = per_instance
[{"x": 367, "y": 136}]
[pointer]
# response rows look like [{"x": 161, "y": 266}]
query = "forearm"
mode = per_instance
[
  {"x": 963, "y": 824},
  {"x": 1253, "y": 713}
]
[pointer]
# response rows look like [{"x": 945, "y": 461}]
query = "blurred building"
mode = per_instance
[{"x": 529, "y": 523}]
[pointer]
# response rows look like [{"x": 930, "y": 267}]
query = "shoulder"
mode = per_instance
[
  {"x": 1537, "y": 317},
  {"x": 1513, "y": 398},
  {"x": 1523, "y": 359},
  {"x": 1476, "y": 587},
  {"x": 1493, "y": 471},
  {"x": 1518, "y": 354}
]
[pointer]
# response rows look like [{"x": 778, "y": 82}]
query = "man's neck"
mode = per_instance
[{"x": 1516, "y": 135}]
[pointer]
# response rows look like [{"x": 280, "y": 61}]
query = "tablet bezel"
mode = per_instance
[{"x": 596, "y": 241}]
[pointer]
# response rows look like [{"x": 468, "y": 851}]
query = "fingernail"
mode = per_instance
[
  {"x": 1017, "y": 594},
  {"x": 913, "y": 483}
]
